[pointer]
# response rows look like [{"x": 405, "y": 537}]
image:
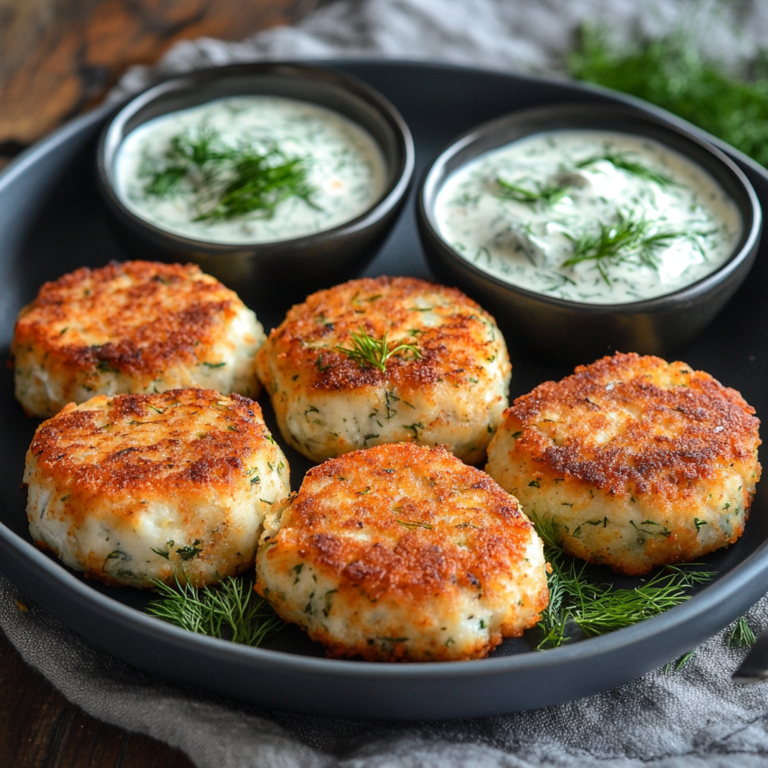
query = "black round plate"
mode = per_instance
[{"x": 52, "y": 221}]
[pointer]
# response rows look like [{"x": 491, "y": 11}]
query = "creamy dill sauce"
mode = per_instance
[
  {"x": 589, "y": 216},
  {"x": 344, "y": 168}
]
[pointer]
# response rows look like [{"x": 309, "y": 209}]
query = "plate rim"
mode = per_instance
[{"x": 751, "y": 571}]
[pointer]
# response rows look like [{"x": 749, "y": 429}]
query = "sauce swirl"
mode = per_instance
[
  {"x": 249, "y": 169},
  {"x": 589, "y": 216}
]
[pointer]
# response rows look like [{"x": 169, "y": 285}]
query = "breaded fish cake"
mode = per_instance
[
  {"x": 637, "y": 461},
  {"x": 133, "y": 327},
  {"x": 447, "y": 385},
  {"x": 131, "y": 488},
  {"x": 403, "y": 553}
]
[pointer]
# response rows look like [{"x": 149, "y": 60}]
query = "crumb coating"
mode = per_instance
[
  {"x": 131, "y": 488},
  {"x": 639, "y": 462},
  {"x": 403, "y": 553},
  {"x": 452, "y": 391},
  {"x": 132, "y": 327}
]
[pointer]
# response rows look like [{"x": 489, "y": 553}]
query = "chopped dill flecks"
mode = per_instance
[
  {"x": 548, "y": 194},
  {"x": 741, "y": 635},
  {"x": 595, "y": 608},
  {"x": 226, "y": 181},
  {"x": 627, "y": 237},
  {"x": 367, "y": 350},
  {"x": 231, "y": 611},
  {"x": 623, "y": 161}
]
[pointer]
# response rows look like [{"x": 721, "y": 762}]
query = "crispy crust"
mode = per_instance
[
  {"x": 413, "y": 563},
  {"x": 306, "y": 341},
  {"x": 164, "y": 444},
  {"x": 636, "y": 462},
  {"x": 168, "y": 486},
  {"x": 452, "y": 390},
  {"x": 412, "y": 527},
  {"x": 633, "y": 425},
  {"x": 136, "y": 318}
]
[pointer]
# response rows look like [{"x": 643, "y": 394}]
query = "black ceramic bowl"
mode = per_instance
[
  {"x": 289, "y": 268},
  {"x": 571, "y": 331}
]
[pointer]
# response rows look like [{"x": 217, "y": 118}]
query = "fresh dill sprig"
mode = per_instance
[
  {"x": 673, "y": 73},
  {"x": 628, "y": 236},
  {"x": 679, "y": 663},
  {"x": 231, "y": 611},
  {"x": 548, "y": 194},
  {"x": 198, "y": 153},
  {"x": 367, "y": 350},
  {"x": 226, "y": 181},
  {"x": 597, "y": 608},
  {"x": 260, "y": 183},
  {"x": 741, "y": 635},
  {"x": 623, "y": 161}
]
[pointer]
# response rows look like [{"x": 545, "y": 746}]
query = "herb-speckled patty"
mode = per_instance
[
  {"x": 637, "y": 461},
  {"x": 133, "y": 327},
  {"x": 448, "y": 386},
  {"x": 132, "y": 488},
  {"x": 403, "y": 553}
]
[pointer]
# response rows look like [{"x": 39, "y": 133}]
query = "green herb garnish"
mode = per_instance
[
  {"x": 367, "y": 350},
  {"x": 741, "y": 635},
  {"x": 227, "y": 181},
  {"x": 627, "y": 237},
  {"x": 231, "y": 611},
  {"x": 548, "y": 194},
  {"x": 623, "y": 161},
  {"x": 597, "y": 608},
  {"x": 731, "y": 103}
]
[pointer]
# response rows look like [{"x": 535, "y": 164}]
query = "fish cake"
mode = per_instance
[
  {"x": 132, "y": 488},
  {"x": 403, "y": 553},
  {"x": 138, "y": 327},
  {"x": 446, "y": 381},
  {"x": 638, "y": 462}
]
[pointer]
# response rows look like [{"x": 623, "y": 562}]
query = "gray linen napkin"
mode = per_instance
[
  {"x": 666, "y": 719},
  {"x": 688, "y": 718}
]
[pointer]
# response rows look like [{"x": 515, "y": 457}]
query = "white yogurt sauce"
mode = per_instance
[
  {"x": 678, "y": 224},
  {"x": 344, "y": 165}
]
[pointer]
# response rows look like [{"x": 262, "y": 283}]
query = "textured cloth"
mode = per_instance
[{"x": 688, "y": 718}]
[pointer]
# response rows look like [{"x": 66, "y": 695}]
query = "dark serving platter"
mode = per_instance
[{"x": 52, "y": 221}]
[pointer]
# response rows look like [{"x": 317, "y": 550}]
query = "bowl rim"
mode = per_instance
[
  {"x": 434, "y": 177},
  {"x": 114, "y": 134}
]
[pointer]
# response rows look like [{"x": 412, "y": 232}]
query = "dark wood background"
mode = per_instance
[{"x": 57, "y": 59}]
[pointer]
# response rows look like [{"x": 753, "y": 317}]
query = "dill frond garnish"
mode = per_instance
[
  {"x": 679, "y": 663},
  {"x": 548, "y": 194},
  {"x": 741, "y": 635},
  {"x": 731, "y": 103},
  {"x": 260, "y": 183},
  {"x": 231, "y": 611},
  {"x": 576, "y": 598},
  {"x": 624, "y": 162},
  {"x": 226, "y": 181},
  {"x": 629, "y": 236},
  {"x": 367, "y": 350}
]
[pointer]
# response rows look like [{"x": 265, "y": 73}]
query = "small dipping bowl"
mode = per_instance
[
  {"x": 285, "y": 269},
  {"x": 561, "y": 330}
]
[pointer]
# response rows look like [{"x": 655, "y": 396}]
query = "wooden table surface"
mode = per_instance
[{"x": 57, "y": 59}]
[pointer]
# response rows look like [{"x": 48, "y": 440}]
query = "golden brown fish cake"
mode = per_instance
[
  {"x": 451, "y": 390},
  {"x": 132, "y": 488},
  {"x": 639, "y": 462},
  {"x": 403, "y": 553},
  {"x": 133, "y": 327}
]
